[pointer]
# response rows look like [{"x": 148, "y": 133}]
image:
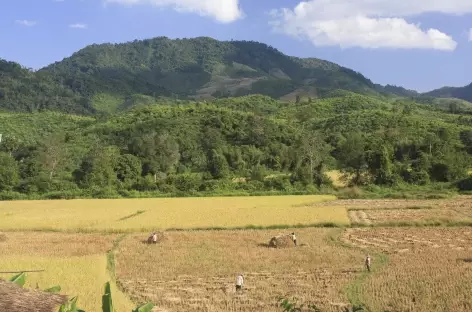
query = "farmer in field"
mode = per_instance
[
  {"x": 294, "y": 238},
  {"x": 153, "y": 238},
  {"x": 239, "y": 282},
  {"x": 368, "y": 262}
]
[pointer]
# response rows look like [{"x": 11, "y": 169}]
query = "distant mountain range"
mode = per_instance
[
  {"x": 105, "y": 76},
  {"x": 464, "y": 93}
]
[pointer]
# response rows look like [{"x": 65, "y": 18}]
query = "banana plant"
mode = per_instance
[
  {"x": 55, "y": 289},
  {"x": 107, "y": 302},
  {"x": 144, "y": 308},
  {"x": 19, "y": 279},
  {"x": 70, "y": 306}
]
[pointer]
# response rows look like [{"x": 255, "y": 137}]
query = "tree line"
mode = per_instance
[{"x": 231, "y": 145}]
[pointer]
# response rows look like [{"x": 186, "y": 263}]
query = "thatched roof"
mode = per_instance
[{"x": 16, "y": 299}]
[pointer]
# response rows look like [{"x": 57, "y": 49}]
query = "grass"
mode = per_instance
[{"x": 170, "y": 213}]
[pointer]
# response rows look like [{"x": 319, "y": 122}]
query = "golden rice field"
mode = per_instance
[
  {"x": 131, "y": 215},
  {"x": 415, "y": 268},
  {"x": 428, "y": 269},
  {"x": 76, "y": 262},
  {"x": 195, "y": 271}
]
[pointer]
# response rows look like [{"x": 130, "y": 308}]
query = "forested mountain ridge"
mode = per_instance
[
  {"x": 106, "y": 78},
  {"x": 464, "y": 93},
  {"x": 199, "y": 67},
  {"x": 26, "y": 91}
]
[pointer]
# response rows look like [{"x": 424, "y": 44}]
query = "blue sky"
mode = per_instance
[{"x": 418, "y": 44}]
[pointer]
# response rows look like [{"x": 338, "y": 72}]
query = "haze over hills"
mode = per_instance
[{"x": 111, "y": 77}]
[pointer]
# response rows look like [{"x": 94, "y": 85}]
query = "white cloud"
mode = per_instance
[
  {"x": 26, "y": 22},
  {"x": 368, "y": 23},
  {"x": 81, "y": 26},
  {"x": 225, "y": 11},
  {"x": 470, "y": 34}
]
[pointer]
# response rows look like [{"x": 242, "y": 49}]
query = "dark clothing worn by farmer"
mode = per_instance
[
  {"x": 239, "y": 282},
  {"x": 368, "y": 263}
]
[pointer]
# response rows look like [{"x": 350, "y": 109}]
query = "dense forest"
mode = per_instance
[
  {"x": 237, "y": 145},
  {"x": 200, "y": 116}
]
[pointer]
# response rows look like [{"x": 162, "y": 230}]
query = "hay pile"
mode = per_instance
[
  {"x": 281, "y": 241},
  {"x": 17, "y": 299}
]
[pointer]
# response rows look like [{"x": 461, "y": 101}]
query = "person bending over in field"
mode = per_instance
[
  {"x": 294, "y": 238},
  {"x": 239, "y": 282},
  {"x": 368, "y": 262},
  {"x": 153, "y": 238}
]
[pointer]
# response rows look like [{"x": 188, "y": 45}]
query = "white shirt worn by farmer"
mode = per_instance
[
  {"x": 294, "y": 237},
  {"x": 239, "y": 280}
]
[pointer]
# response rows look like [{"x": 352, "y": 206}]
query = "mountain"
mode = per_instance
[
  {"x": 463, "y": 93},
  {"x": 23, "y": 90},
  {"x": 114, "y": 77},
  {"x": 200, "y": 68}
]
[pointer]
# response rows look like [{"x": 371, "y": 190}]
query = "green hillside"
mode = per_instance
[
  {"x": 464, "y": 93},
  {"x": 198, "y": 68},
  {"x": 185, "y": 147},
  {"x": 108, "y": 78},
  {"x": 22, "y": 90}
]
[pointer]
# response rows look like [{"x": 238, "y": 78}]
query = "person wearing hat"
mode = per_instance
[
  {"x": 239, "y": 282},
  {"x": 294, "y": 238},
  {"x": 368, "y": 262}
]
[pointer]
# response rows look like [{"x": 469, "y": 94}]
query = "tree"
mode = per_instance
[
  {"x": 52, "y": 154},
  {"x": 9, "y": 145},
  {"x": 466, "y": 139},
  {"x": 379, "y": 161},
  {"x": 352, "y": 157},
  {"x": 160, "y": 152},
  {"x": 98, "y": 168},
  {"x": 313, "y": 149},
  {"x": 128, "y": 169},
  {"x": 218, "y": 165},
  {"x": 9, "y": 173}
]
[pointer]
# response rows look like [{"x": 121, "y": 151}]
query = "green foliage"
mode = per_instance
[
  {"x": 464, "y": 93},
  {"x": 248, "y": 145},
  {"x": 22, "y": 90},
  {"x": 144, "y": 308},
  {"x": 70, "y": 306},
  {"x": 55, "y": 289},
  {"x": 19, "y": 279},
  {"x": 293, "y": 306},
  {"x": 9, "y": 173},
  {"x": 107, "y": 302}
]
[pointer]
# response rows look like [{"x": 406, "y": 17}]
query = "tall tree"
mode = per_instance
[
  {"x": 160, "y": 152},
  {"x": 9, "y": 173},
  {"x": 98, "y": 168},
  {"x": 352, "y": 156},
  {"x": 52, "y": 154}
]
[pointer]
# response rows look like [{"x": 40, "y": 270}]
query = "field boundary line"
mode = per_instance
[
  {"x": 353, "y": 290},
  {"x": 111, "y": 256}
]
